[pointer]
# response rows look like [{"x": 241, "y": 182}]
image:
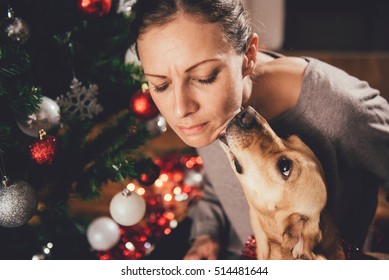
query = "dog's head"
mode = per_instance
[{"x": 276, "y": 174}]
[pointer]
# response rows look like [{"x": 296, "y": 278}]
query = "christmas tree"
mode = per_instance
[{"x": 75, "y": 116}]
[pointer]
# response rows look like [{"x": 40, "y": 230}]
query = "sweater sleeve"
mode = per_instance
[{"x": 207, "y": 215}]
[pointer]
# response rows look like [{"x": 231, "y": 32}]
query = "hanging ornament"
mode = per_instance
[
  {"x": 125, "y": 7},
  {"x": 131, "y": 57},
  {"x": 142, "y": 105},
  {"x": 127, "y": 208},
  {"x": 147, "y": 171},
  {"x": 44, "y": 149},
  {"x": 80, "y": 102},
  {"x": 18, "y": 203},
  {"x": 14, "y": 30},
  {"x": 103, "y": 233},
  {"x": 156, "y": 126},
  {"x": 47, "y": 117},
  {"x": 94, "y": 8}
]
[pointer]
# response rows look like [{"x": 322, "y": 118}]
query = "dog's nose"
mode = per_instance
[{"x": 246, "y": 119}]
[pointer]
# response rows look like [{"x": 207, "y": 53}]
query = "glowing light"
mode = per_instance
[
  {"x": 141, "y": 191},
  {"x": 189, "y": 164},
  {"x": 49, "y": 245},
  {"x": 130, "y": 246},
  {"x": 199, "y": 160},
  {"x": 158, "y": 183},
  {"x": 46, "y": 251},
  {"x": 169, "y": 215},
  {"x": 177, "y": 190},
  {"x": 147, "y": 245},
  {"x": 164, "y": 177},
  {"x": 131, "y": 187},
  {"x": 168, "y": 197},
  {"x": 173, "y": 223},
  {"x": 181, "y": 197},
  {"x": 167, "y": 231}
]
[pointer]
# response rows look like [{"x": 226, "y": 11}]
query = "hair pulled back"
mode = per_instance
[{"x": 230, "y": 16}]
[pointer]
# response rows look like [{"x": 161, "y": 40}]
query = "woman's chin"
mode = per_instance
[{"x": 197, "y": 141}]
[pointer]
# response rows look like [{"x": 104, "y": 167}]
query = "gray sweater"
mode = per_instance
[{"x": 346, "y": 124}]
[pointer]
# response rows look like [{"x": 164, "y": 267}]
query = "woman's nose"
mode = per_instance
[{"x": 184, "y": 102}]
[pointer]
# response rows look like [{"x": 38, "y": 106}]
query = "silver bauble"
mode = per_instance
[
  {"x": 18, "y": 203},
  {"x": 156, "y": 126},
  {"x": 47, "y": 117},
  {"x": 15, "y": 30}
]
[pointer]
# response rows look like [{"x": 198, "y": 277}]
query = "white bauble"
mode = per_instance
[
  {"x": 127, "y": 208},
  {"x": 103, "y": 233},
  {"x": 47, "y": 117}
]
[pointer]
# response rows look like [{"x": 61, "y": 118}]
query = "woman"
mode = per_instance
[{"x": 203, "y": 64}]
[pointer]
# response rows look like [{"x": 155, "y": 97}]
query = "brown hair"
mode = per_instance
[{"x": 230, "y": 16}]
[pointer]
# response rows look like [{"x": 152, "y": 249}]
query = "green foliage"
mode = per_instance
[{"x": 63, "y": 45}]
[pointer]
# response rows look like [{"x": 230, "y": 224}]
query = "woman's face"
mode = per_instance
[{"x": 194, "y": 77}]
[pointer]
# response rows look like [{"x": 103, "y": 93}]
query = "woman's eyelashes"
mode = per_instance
[
  {"x": 161, "y": 88},
  {"x": 210, "y": 79},
  {"x": 204, "y": 81}
]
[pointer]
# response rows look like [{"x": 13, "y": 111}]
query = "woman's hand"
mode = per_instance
[{"x": 204, "y": 248}]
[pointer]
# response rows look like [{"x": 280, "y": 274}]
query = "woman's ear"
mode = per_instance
[{"x": 250, "y": 56}]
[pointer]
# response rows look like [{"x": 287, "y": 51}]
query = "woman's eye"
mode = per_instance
[
  {"x": 161, "y": 88},
  {"x": 285, "y": 166},
  {"x": 208, "y": 80}
]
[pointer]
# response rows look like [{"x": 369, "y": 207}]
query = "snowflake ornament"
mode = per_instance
[{"x": 80, "y": 102}]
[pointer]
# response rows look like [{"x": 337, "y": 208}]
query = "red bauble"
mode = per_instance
[
  {"x": 94, "y": 8},
  {"x": 143, "y": 105},
  {"x": 43, "y": 150}
]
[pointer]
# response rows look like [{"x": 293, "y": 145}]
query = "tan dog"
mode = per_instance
[{"x": 284, "y": 184}]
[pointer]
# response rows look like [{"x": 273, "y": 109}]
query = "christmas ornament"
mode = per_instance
[
  {"x": 131, "y": 57},
  {"x": 44, "y": 149},
  {"x": 156, "y": 126},
  {"x": 18, "y": 203},
  {"x": 103, "y": 233},
  {"x": 14, "y": 30},
  {"x": 80, "y": 102},
  {"x": 147, "y": 171},
  {"x": 127, "y": 208},
  {"x": 94, "y": 8},
  {"x": 47, "y": 117},
  {"x": 125, "y": 7},
  {"x": 142, "y": 105}
]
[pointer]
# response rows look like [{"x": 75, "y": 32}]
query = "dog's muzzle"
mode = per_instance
[
  {"x": 246, "y": 118},
  {"x": 244, "y": 121}
]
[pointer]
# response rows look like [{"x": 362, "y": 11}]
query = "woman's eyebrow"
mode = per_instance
[
  {"x": 187, "y": 70},
  {"x": 199, "y": 63}
]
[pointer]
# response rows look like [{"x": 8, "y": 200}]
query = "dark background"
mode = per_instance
[{"x": 337, "y": 25}]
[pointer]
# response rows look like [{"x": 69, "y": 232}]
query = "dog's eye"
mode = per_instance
[{"x": 285, "y": 166}]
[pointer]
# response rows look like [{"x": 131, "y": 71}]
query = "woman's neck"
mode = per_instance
[{"x": 276, "y": 84}]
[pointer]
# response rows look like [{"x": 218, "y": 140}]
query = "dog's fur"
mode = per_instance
[{"x": 284, "y": 184}]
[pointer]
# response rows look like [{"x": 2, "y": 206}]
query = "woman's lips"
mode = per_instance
[{"x": 193, "y": 129}]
